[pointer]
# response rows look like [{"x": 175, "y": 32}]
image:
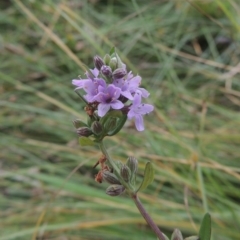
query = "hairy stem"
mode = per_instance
[{"x": 147, "y": 217}]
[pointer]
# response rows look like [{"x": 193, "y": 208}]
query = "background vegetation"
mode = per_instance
[{"x": 188, "y": 55}]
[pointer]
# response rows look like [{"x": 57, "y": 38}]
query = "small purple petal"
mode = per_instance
[
  {"x": 93, "y": 73},
  {"x": 144, "y": 109},
  {"x": 131, "y": 114},
  {"x": 103, "y": 108},
  {"x": 134, "y": 83},
  {"x": 79, "y": 82},
  {"x": 144, "y": 92},
  {"x": 127, "y": 94},
  {"x": 117, "y": 104},
  {"x": 139, "y": 123},
  {"x": 137, "y": 99}
]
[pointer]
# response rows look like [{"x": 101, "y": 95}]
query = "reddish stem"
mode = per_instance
[{"x": 147, "y": 217}]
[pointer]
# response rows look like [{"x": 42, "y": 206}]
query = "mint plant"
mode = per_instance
[{"x": 113, "y": 95}]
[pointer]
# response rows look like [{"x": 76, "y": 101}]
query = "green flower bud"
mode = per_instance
[
  {"x": 84, "y": 132},
  {"x": 110, "y": 177},
  {"x": 96, "y": 128},
  {"x": 120, "y": 64},
  {"x": 125, "y": 173},
  {"x": 177, "y": 235},
  {"x": 79, "y": 123},
  {"x": 98, "y": 62},
  {"x": 115, "y": 190},
  {"x": 132, "y": 163},
  {"x": 107, "y": 59},
  {"x": 113, "y": 63}
]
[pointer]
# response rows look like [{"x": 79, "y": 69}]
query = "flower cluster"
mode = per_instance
[{"x": 109, "y": 86}]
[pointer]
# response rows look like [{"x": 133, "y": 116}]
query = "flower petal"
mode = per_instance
[
  {"x": 103, "y": 109},
  {"x": 137, "y": 99},
  {"x": 139, "y": 122},
  {"x": 95, "y": 72},
  {"x": 134, "y": 83},
  {"x": 117, "y": 104},
  {"x": 144, "y": 92},
  {"x": 79, "y": 82},
  {"x": 144, "y": 109},
  {"x": 127, "y": 94},
  {"x": 131, "y": 114},
  {"x": 113, "y": 91}
]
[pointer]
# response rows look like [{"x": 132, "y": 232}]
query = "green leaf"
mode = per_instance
[
  {"x": 112, "y": 51},
  {"x": 205, "y": 229},
  {"x": 84, "y": 141},
  {"x": 148, "y": 176},
  {"x": 114, "y": 113},
  {"x": 119, "y": 126}
]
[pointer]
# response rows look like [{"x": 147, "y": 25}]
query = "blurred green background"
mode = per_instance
[{"x": 188, "y": 54}]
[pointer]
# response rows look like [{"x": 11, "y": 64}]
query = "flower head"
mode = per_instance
[{"x": 110, "y": 86}]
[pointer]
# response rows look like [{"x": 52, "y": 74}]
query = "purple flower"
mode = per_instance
[
  {"x": 90, "y": 85},
  {"x": 137, "y": 109},
  {"x": 124, "y": 88},
  {"x": 80, "y": 83},
  {"x": 130, "y": 86},
  {"x": 108, "y": 98},
  {"x": 92, "y": 88}
]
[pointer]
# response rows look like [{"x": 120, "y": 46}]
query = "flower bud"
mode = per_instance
[
  {"x": 125, "y": 173},
  {"x": 78, "y": 123},
  {"x": 120, "y": 64},
  {"x": 84, "y": 132},
  {"x": 107, "y": 59},
  {"x": 98, "y": 62},
  {"x": 113, "y": 63},
  {"x": 96, "y": 127},
  {"x": 119, "y": 73},
  {"x": 110, "y": 177},
  {"x": 132, "y": 163},
  {"x": 115, "y": 190},
  {"x": 177, "y": 235},
  {"x": 106, "y": 70}
]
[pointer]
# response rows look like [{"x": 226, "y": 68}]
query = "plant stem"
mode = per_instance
[
  {"x": 82, "y": 98},
  {"x": 147, "y": 217},
  {"x": 112, "y": 164},
  {"x": 133, "y": 195}
]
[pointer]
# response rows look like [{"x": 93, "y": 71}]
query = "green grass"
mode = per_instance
[{"x": 188, "y": 56}]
